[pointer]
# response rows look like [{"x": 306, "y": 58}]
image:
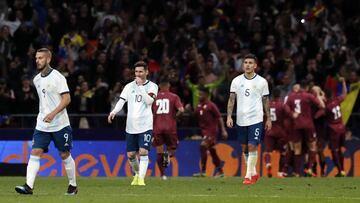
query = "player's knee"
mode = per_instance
[
  {"x": 64, "y": 155},
  {"x": 37, "y": 152},
  {"x": 312, "y": 146},
  {"x": 252, "y": 147},
  {"x": 143, "y": 152},
  {"x": 131, "y": 155}
]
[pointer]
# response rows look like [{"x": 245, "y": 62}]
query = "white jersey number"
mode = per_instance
[
  {"x": 163, "y": 106},
  {"x": 297, "y": 105},
  {"x": 273, "y": 114},
  {"x": 336, "y": 111}
]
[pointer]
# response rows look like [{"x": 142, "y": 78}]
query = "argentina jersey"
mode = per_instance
[
  {"x": 249, "y": 94},
  {"x": 139, "y": 116},
  {"x": 49, "y": 89}
]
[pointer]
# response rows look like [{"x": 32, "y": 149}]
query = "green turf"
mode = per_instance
[{"x": 188, "y": 189}]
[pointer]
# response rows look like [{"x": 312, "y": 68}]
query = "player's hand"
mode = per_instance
[
  {"x": 224, "y": 134},
  {"x": 139, "y": 81},
  {"x": 341, "y": 79},
  {"x": 229, "y": 122},
  {"x": 48, "y": 118},
  {"x": 111, "y": 117},
  {"x": 295, "y": 115},
  {"x": 268, "y": 124}
]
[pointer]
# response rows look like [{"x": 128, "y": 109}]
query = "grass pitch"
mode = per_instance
[{"x": 186, "y": 189}]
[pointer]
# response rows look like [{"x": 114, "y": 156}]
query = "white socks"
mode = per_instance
[
  {"x": 70, "y": 170},
  {"x": 251, "y": 166},
  {"x": 134, "y": 163},
  {"x": 32, "y": 170},
  {"x": 144, "y": 161},
  {"x": 246, "y": 157}
]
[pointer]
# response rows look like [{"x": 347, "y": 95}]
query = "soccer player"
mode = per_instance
[
  {"x": 166, "y": 108},
  {"x": 303, "y": 103},
  {"x": 139, "y": 95},
  {"x": 52, "y": 123},
  {"x": 336, "y": 127},
  {"x": 320, "y": 129},
  {"x": 209, "y": 118},
  {"x": 251, "y": 92},
  {"x": 276, "y": 138}
]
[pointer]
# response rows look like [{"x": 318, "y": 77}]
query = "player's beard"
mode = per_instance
[{"x": 41, "y": 67}]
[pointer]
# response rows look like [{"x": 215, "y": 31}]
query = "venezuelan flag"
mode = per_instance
[{"x": 348, "y": 104}]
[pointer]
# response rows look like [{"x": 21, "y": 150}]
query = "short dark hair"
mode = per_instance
[
  {"x": 276, "y": 92},
  {"x": 251, "y": 56},
  {"x": 141, "y": 64},
  {"x": 164, "y": 80},
  {"x": 46, "y": 50},
  {"x": 328, "y": 93}
]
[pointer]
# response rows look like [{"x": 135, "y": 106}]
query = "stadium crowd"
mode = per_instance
[{"x": 95, "y": 44}]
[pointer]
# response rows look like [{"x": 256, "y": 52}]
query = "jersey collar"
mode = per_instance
[
  {"x": 250, "y": 78},
  {"x": 50, "y": 70}
]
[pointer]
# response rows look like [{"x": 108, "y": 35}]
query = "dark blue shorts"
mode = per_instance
[
  {"x": 136, "y": 141},
  {"x": 62, "y": 139},
  {"x": 252, "y": 134}
]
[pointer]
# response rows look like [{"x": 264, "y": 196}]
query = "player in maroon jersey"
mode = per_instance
[
  {"x": 320, "y": 129},
  {"x": 336, "y": 127},
  {"x": 166, "y": 108},
  {"x": 277, "y": 138},
  {"x": 209, "y": 119},
  {"x": 302, "y": 103}
]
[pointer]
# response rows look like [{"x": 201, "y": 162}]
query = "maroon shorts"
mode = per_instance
[
  {"x": 169, "y": 139},
  {"x": 305, "y": 134},
  {"x": 275, "y": 143},
  {"x": 209, "y": 140},
  {"x": 337, "y": 138}
]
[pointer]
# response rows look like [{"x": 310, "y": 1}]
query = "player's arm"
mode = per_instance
[
  {"x": 149, "y": 98},
  {"x": 119, "y": 105},
  {"x": 266, "y": 107},
  {"x": 230, "y": 108},
  {"x": 180, "y": 111},
  {"x": 65, "y": 101},
  {"x": 344, "y": 89},
  {"x": 223, "y": 129}
]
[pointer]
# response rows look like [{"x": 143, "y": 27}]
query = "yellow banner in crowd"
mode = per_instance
[{"x": 348, "y": 104}]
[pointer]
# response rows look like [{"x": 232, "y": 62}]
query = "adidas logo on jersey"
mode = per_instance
[{"x": 66, "y": 145}]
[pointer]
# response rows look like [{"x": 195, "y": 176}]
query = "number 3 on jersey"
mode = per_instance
[{"x": 163, "y": 106}]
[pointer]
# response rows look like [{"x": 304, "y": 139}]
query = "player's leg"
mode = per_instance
[
  {"x": 41, "y": 141},
  {"x": 283, "y": 162},
  {"x": 341, "y": 154},
  {"x": 310, "y": 137},
  {"x": 171, "y": 142},
  {"x": 203, "y": 159},
  {"x": 254, "y": 139},
  {"x": 158, "y": 144},
  {"x": 210, "y": 142},
  {"x": 144, "y": 142},
  {"x": 63, "y": 142},
  {"x": 242, "y": 137},
  {"x": 131, "y": 148},
  {"x": 321, "y": 144},
  {"x": 297, "y": 144},
  {"x": 269, "y": 147},
  {"x": 336, "y": 151}
]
